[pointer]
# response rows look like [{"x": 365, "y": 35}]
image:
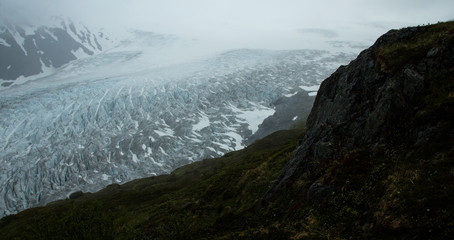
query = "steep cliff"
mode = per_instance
[{"x": 380, "y": 99}]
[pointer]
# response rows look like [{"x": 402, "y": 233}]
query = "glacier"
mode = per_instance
[{"x": 110, "y": 119}]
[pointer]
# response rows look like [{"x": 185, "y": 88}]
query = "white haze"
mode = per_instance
[{"x": 269, "y": 24}]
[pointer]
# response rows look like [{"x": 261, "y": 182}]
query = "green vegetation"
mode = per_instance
[
  {"x": 212, "y": 198},
  {"x": 391, "y": 190},
  {"x": 413, "y": 48}
]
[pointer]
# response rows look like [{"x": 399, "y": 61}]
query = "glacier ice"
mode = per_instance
[{"x": 103, "y": 120}]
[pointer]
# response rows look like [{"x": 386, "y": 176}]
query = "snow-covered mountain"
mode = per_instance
[
  {"x": 27, "y": 50},
  {"x": 142, "y": 108}
]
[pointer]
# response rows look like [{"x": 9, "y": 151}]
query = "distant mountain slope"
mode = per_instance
[
  {"x": 27, "y": 50},
  {"x": 291, "y": 111}
]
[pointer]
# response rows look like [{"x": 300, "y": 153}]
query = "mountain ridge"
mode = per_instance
[{"x": 35, "y": 49}]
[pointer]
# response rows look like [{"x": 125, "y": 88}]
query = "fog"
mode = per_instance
[{"x": 272, "y": 24}]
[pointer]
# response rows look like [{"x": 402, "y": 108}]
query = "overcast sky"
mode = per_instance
[{"x": 276, "y": 24}]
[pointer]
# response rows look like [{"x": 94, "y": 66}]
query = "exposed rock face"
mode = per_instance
[{"x": 359, "y": 104}]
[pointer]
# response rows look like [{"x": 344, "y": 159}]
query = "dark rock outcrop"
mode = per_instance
[
  {"x": 318, "y": 191},
  {"x": 360, "y": 104}
]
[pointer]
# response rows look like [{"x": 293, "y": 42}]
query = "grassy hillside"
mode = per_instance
[{"x": 205, "y": 199}]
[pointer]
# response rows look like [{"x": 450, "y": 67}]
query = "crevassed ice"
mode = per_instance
[{"x": 81, "y": 129}]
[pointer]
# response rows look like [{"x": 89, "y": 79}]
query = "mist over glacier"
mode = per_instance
[
  {"x": 128, "y": 113},
  {"x": 241, "y": 24}
]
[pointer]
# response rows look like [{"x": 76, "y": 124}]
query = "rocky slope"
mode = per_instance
[
  {"x": 360, "y": 104},
  {"x": 376, "y": 162}
]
